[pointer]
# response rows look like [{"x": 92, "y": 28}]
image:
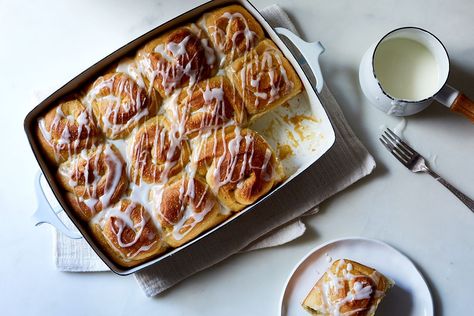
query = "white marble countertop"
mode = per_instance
[{"x": 46, "y": 43}]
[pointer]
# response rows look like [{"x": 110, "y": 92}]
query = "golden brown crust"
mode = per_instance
[
  {"x": 96, "y": 179},
  {"x": 158, "y": 152},
  {"x": 128, "y": 234},
  {"x": 120, "y": 104},
  {"x": 233, "y": 31},
  {"x": 348, "y": 287},
  {"x": 264, "y": 78},
  {"x": 178, "y": 58},
  {"x": 185, "y": 208},
  {"x": 239, "y": 165},
  {"x": 65, "y": 130},
  {"x": 209, "y": 105}
]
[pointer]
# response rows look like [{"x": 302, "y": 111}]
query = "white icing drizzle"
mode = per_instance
[
  {"x": 113, "y": 174},
  {"x": 190, "y": 212},
  {"x": 130, "y": 67},
  {"x": 66, "y": 142},
  {"x": 254, "y": 71},
  {"x": 215, "y": 111},
  {"x": 143, "y": 248},
  {"x": 145, "y": 150},
  {"x": 121, "y": 145},
  {"x": 175, "y": 65},
  {"x": 228, "y": 45},
  {"x": 124, "y": 106},
  {"x": 177, "y": 50},
  {"x": 232, "y": 156},
  {"x": 208, "y": 51},
  {"x": 359, "y": 291},
  {"x": 144, "y": 195},
  {"x": 123, "y": 220}
]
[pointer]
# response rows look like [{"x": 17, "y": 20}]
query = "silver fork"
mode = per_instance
[{"x": 416, "y": 163}]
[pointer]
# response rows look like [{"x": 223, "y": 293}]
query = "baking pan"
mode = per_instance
[{"x": 302, "y": 128}]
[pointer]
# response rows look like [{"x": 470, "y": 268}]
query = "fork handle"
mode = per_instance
[{"x": 464, "y": 198}]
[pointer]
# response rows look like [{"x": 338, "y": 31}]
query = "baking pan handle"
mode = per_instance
[
  {"x": 307, "y": 55},
  {"x": 46, "y": 214}
]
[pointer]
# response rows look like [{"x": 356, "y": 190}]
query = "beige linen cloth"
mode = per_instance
[{"x": 345, "y": 163}]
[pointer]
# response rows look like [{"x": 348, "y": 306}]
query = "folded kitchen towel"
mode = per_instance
[{"x": 345, "y": 163}]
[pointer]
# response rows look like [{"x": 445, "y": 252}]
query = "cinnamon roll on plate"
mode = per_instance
[
  {"x": 233, "y": 31},
  {"x": 186, "y": 207},
  {"x": 239, "y": 166},
  {"x": 128, "y": 234},
  {"x": 66, "y": 130},
  {"x": 264, "y": 78},
  {"x": 176, "y": 59},
  {"x": 94, "y": 179},
  {"x": 209, "y": 105},
  {"x": 347, "y": 288}
]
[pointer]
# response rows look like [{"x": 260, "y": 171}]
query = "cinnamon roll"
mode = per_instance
[
  {"x": 233, "y": 31},
  {"x": 209, "y": 105},
  {"x": 347, "y": 288},
  {"x": 264, "y": 78},
  {"x": 239, "y": 166},
  {"x": 186, "y": 207},
  {"x": 120, "y": 104},
  {"x": 176, "y": 59},
  {"x": 158, "y": 152},
  {"x": 128, "y": 234},
  {"x": 66, "y": 130},
  {"x": 95, "y": 179}
]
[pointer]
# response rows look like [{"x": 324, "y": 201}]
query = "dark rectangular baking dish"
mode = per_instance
[{"x": 304, "y": 58}]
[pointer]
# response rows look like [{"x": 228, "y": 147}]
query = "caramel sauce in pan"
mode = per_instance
[
  {"x": 270, "y": 129},
  {"x": 284, "y": 151},
  {"x": 297, "y": 123},
  {"x": 292, "y": 139}
]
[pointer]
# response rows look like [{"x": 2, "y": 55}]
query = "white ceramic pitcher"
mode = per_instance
[{"x": 443, "y": 93}]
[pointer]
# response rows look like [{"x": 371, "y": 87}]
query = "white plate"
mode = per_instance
[{"x": 409, "y": 296}]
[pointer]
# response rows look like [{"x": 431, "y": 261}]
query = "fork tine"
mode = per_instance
[
  {"x": 397, "y": 148},
  {"x": 393, "y": 150},
  {"x": 386, "y": 143},
  {"x": 403, "y": 162},
  {"x": 396, "y": 144},
  {"x": 401, "y": 142}
]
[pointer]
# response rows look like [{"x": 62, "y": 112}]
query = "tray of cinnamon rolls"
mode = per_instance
[{"x": 180, "y": 132}]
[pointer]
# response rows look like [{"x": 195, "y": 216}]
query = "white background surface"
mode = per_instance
[{"x": 44, "y": 44}]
